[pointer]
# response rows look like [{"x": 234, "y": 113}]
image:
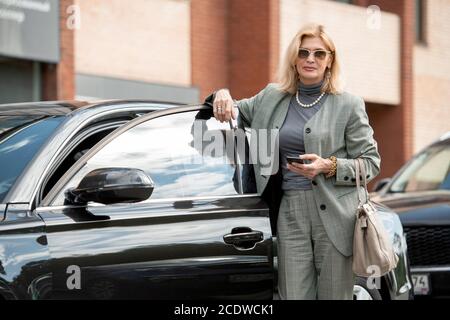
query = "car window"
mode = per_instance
[
  {"x": 20, "y": 139},
  {"x": 185, "y": 154},
  {"x": 82, "y": 142},
  {"x": 78, "y": 150},
  {"x": 430, "y": 170}
]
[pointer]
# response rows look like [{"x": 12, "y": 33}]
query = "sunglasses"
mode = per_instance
[{"x": 318, "y": 54}]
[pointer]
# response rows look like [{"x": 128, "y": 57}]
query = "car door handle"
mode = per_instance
[{"x": 243, "y": 238}]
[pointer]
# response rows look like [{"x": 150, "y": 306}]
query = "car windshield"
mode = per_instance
[
  {"x": 430, "y": 170},
  {"x": 20, "y": 139}
]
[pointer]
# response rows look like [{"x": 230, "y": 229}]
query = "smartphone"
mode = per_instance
[{"x": 294, "y": 159}]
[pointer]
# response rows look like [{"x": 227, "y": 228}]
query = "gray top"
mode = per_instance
[{"x": 291, "y": 133}]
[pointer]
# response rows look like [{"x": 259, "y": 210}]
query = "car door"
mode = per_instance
[{"x": 197, "y": 236}]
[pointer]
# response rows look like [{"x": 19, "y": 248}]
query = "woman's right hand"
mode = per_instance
[{"x": 223, "y": 106}]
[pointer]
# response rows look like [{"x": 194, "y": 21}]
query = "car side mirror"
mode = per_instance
[
  {"x": 380, "y": 184},
  {"x": 111, "y": 185}
]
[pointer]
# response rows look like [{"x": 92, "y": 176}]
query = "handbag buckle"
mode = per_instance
[{"x": 368, "y": 207}]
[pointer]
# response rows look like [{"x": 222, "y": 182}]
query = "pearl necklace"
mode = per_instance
[{"x": 310, "y": 104}]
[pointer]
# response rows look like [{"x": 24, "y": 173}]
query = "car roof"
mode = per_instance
[
  {"x": 65, "y": 107},
  {"x": 445, "y": 136},
  {"x": 45, "y": 108},
  {"x": 443, "y": 140}
]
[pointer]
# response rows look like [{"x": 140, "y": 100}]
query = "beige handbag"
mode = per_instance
[{"x": 373, "y": 254}]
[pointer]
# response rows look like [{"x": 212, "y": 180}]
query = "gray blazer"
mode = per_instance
[{"x": 340, "y": 128}]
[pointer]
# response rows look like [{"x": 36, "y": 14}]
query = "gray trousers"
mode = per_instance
[{"x": 309, "y": 266}]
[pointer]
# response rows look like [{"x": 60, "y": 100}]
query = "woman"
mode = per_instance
[{"x": 328, "y": 129}]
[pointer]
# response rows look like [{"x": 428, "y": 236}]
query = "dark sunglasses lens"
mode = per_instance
[
  {"x": 320, "y": 54},
  {"x": 302, "y": 53}
]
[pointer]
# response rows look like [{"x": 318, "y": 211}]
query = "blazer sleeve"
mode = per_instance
[
  {"x": 359, "y": 143},
  {"x": 246, "y": 106}
]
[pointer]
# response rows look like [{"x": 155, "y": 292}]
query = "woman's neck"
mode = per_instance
[{"x": 310, "y": 89}]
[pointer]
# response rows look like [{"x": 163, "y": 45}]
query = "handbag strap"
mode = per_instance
[{"x": 360, "y": 169}]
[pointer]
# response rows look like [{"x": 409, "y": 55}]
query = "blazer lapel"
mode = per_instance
[
  {"x": 280, "y": 111},
  {"x": 278, "y": 115}
]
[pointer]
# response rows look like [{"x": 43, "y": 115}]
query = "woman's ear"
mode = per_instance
[{"x": 330, "y": 61}]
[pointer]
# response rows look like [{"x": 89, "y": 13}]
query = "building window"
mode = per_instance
[{"x": 420, "y": 21}]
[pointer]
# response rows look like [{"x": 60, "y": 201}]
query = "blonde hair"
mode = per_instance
[{"x": 288, "y": 76}]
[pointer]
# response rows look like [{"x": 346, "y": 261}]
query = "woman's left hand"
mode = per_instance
[{"x": 310, "y": 170}]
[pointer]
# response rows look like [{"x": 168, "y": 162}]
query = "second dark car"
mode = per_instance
[{"x": 420, "y": 194}]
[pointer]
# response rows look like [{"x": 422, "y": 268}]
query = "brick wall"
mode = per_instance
[
  {"x": 254, "y": 57},
  {"x": 234, "y": 44},
  {"x": 432, "y": 76},
  {"x": 58, "y": 81},
  {"x": 209, "y": 45},
  {"x": 393, "y": 125}
]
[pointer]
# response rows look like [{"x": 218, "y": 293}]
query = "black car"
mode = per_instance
[
  {"x": 119, "y": 200},
  {"x": 420, "y": 193}
]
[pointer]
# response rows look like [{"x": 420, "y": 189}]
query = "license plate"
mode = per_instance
[{"x": 421, "y": 283}]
